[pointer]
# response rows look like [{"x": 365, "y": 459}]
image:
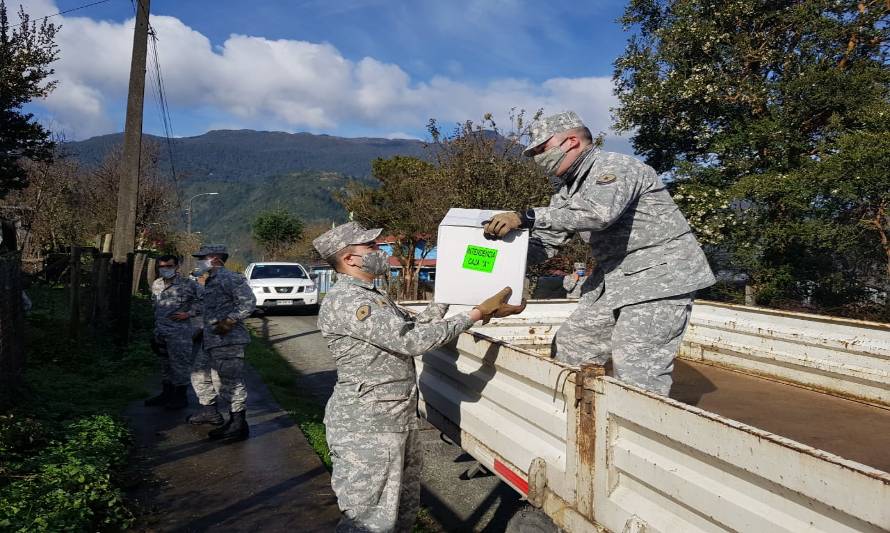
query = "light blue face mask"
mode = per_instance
[{"x": 167, "y": 272}]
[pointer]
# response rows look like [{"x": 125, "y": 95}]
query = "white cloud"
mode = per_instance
[
  {"x": 290, "y": 83},
  {"x": 401, "y": 135}
]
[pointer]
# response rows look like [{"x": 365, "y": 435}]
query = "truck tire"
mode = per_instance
[{"x": 531, "y": 520}]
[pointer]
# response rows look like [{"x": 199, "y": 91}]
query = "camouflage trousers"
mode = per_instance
[
  {"x": 641, "y": 339},
  {"x": 228, "y": 362},
  {"x": 205, "y": 380},
  {"x": 376, "y": 479},
  {"x": 176, "y": 366}
]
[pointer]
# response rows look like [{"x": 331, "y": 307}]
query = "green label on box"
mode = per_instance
[{"x": 479, "y": 258}]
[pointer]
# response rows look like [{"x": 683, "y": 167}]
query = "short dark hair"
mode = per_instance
[
  {"x": 336, "y": 260},
  {"x": 169, "y": 257},
  {"x": 583, "y": 132}
]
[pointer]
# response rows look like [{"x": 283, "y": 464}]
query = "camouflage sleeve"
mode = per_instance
[
  {"x": 389, "y": 331},
  {"x": 245, "y": 301},
  {"x": 198, "y": 305},
  {"x": 432, "y": 312},
  {"x": 569, "y": 283},
  {"x": 190, "y": 294},
  {"x": 598, "y": 205},
  {"x": 545, "y": 243}
]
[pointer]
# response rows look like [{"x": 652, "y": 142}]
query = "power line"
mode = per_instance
[
  {"x": 68, "y": 11},
  {"x": 165, "y": 108}
]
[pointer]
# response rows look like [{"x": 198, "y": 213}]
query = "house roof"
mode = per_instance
[{"x": 425, "y": 263}]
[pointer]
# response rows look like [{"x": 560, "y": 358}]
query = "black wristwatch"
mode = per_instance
[{"x": 527, "y": 218}]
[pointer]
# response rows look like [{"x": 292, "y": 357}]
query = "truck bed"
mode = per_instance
[{"x": 847, "y": 428}]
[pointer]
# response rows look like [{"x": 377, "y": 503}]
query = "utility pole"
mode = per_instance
[{"x": 128, "y": 189}]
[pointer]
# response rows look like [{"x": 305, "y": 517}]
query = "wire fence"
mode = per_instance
[{"x": 12, "y": 321}]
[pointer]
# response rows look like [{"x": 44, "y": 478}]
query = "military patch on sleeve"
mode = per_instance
[
  {"x": 606, "y": 178},
  {"x": 363, "y": 312}
]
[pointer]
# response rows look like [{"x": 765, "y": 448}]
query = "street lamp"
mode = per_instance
[{"x": 190, "y": 207}]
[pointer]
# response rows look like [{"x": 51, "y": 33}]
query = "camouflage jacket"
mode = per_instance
[
  {"x": 227, "y": 295},
  {"x": 373, "y": 343},
  {"x": 180, "y": 295},
  {"x": 573, "y": 286},
  {"x": 643, "y": 245}
]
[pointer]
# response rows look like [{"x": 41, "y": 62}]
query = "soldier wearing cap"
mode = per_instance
[
  {"x": 636, "y": 305},
  {"x": 175, "y": 303},
  {"x": 371, "y": 418},
  {"x": 228, "y": 301}
]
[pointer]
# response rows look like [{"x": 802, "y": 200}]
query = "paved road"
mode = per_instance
[
  {"x": 270, "y": 482},
  {"x": 456, "y": 503}
]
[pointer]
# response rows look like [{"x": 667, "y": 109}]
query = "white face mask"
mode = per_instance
[{"x": 203, "y": 265}]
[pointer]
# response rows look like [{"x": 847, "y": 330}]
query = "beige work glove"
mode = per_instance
[
  {"x": 497, "y": 306},
  {"x": 502, "y": 224}
]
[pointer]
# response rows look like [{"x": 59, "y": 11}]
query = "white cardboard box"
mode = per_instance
[{"x": 469, "y": 267}]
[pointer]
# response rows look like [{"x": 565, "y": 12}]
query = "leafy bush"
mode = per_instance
[
  {"x": 68, "y": 485},
  {"x": 61, "y": 448}
]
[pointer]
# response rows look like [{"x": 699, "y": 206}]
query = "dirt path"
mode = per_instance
[{"x": 271, "y": 482}]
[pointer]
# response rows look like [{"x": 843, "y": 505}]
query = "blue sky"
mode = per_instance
[{"x": 353, "y": 68}]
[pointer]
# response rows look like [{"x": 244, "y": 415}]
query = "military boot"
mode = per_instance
[
  {"x": 234, "y": 429},
  {"x": 179, "y": 398},
  {"x": 207, "y": 415},
  {"x": 161, "y": 399}
]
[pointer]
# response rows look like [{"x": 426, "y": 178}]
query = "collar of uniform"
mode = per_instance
[
  {"x": 580, "y": 173},
  {"x": 352, "y": 280},
  {"x": 176, "y": 280}
]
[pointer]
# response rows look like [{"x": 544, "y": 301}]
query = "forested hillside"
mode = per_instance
[
  {"x": 227, "y": 217},
  {"x": 247, "y": 154},
  {"x": 257, "y": 170}
]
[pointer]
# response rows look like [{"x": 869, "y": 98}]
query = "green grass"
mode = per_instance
[
  {"x": 281, "y": 378},
  {"x": 62, "y": 445}
]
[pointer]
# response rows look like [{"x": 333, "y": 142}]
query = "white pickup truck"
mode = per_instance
[{"x": 777, "y": 422}]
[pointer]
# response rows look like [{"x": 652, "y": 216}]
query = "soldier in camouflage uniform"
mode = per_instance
[
  {"x": 175, "y": 301},
  {"x": 205, "y": 380},
  {"x": 228, "y": 301},
  {"x": 636, "y": 305},
  {"x": 371, "y": 418},
  {"x": 573, "y": 283}
]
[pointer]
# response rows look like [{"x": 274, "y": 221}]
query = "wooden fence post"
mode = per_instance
[
  {"x": 138, "y": 267},
  {"x": 74, "y": 303},
  {"x": 102, "y": 293},
  {"x": 150, "y": 273}
]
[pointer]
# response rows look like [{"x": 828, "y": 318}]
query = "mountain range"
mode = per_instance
[{"x": 258, "y": 170}]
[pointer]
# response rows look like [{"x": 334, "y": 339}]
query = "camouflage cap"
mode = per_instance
[
  {"x": 334, "y": 240},
  {"x": 207, "y": 249},
  {"x": 546, "y": 127}
]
